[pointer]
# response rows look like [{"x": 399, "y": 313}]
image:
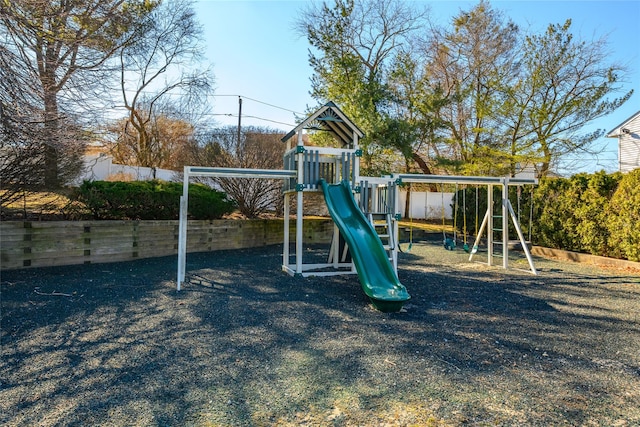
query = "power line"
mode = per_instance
[
  {"x": 251, "y": 117},
  {"x": 269, "y": 120},
  {"x": 274, "y": 106},
  {"x": 235, "y": 115},
  {"x": 226, "y": 95},
  {"x": 258, "y": 101}
]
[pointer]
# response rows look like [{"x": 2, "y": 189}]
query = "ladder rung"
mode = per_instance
[{"x": 382, "y": 224}]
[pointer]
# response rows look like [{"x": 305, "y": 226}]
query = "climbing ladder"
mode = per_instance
[
  {"x": 488, "y": 223},
  {"x": 383, "y": 225}
]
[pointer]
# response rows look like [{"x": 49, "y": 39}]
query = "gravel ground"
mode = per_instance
[{"x": 246, "y": 345}]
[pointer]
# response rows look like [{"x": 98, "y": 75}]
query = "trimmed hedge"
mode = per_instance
[
  {"x": 150, "y": 200},
  {"x": 595, "y": 213},
  {"x": 572, "y": 213},
  {"x": 624, "y": 220}
]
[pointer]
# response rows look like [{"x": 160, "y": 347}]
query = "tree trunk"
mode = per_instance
[
  {"x": 546, "y": 162},
  {"x": 422, "y": 164},
  {"x": 407, "y": 203},
  {"x": 424, "y": 168},
  {"x": 51, "y": 141}
]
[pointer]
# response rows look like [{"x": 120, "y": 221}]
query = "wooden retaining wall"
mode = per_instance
[
  {"x": 562, "y": 255},
  {"x": 43, "y": 244}
]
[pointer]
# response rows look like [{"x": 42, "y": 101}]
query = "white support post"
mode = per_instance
[
  {"x": 396, "y": 230},
  {"x": 182, "y": 229},
  {"x": 356, "y": 162},
  {"x": 485, "y": 220},
  {"x": 505, "y": 223},
  {"x": 394, "y": 250},
  {"x": 299, "y": 205},
  {"x": 375, "y": 198},
  {"x": 525, "y": 247},
  {"x": 490, "y": 224},
  {"x": 285, "y": 243},
  {"x": 335, "y": 246},
  {"x": 299, "y": 234}
]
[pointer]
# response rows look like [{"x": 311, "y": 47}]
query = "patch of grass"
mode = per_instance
[
  {"x": 426, "y": 225},
  {"x": 38, "y": 205}
]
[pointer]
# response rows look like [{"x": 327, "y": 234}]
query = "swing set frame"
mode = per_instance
[{"x": 488, "y": 220}]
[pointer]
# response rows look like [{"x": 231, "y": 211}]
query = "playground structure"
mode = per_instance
[{"x": 365, "y": 210}]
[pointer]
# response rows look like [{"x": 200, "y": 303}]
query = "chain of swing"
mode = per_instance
[{"x": 450, "y": 242}]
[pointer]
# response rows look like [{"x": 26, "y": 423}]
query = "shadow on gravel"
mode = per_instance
[{"x": 245, "y": 344}]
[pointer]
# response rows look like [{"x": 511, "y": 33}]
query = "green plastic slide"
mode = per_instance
[{"x": 377, "y": 276}]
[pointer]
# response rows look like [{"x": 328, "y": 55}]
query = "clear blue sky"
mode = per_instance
[{"x": 257, "y": 54}]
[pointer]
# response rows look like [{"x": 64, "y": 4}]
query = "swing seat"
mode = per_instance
[
  {"x": 449, "y": 244},
  {"x": 466, "y": 247}
]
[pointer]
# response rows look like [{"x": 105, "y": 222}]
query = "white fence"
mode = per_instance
[
  {"x": 100, "y": 167},
  {"x": 428, "y": 205}
]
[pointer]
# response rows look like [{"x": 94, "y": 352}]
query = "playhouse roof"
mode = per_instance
[{"x": 331, "y": 119}]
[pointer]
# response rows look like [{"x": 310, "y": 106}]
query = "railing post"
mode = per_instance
[
  {"x": 286, "y": 238},
  {"x": 490, "y": 224},
  {"x": 505, "y": 223},
  {"x": 182, "y": 229}
]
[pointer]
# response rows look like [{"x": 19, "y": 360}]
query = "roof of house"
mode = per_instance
[{"x": 615, "y": 132}]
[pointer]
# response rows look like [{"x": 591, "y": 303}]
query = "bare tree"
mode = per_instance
[
  {"x": 63, "y": 44},
  {"x": 157, "y": 81},
  {"x": 20, "y": 147},
  {"x": 258, "y": 148},
  {"x": 565, "y": 85},
  {"x": 170, "y": 142},
  {"x": 470, "y": 63},
  {"x": 486, "y": 100}
]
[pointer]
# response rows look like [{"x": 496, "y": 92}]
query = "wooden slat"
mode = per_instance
[{"x": 42, "y": 244}]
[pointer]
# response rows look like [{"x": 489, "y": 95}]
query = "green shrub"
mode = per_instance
[
  {"x": 593, "y": 211},
  {"x": 205, "y": 203},
  {"x": 572, "y": 213},
  {"x": 150, "y": 200},
  {"x": 554, "y": 219},
  {"x": 624, "y": 219}
]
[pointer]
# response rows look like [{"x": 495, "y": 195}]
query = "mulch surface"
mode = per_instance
[{"x": 244, "y": 344}]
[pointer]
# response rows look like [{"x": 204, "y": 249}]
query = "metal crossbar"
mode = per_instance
[
  {"x": 240, "y": 173},
  {"x": 456, "y": 179}
]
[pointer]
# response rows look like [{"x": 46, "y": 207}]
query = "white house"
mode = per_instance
[{"x": 628, "y": 134}]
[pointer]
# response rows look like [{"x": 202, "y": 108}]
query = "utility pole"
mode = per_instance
[{"x": 239, "y": 117}]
